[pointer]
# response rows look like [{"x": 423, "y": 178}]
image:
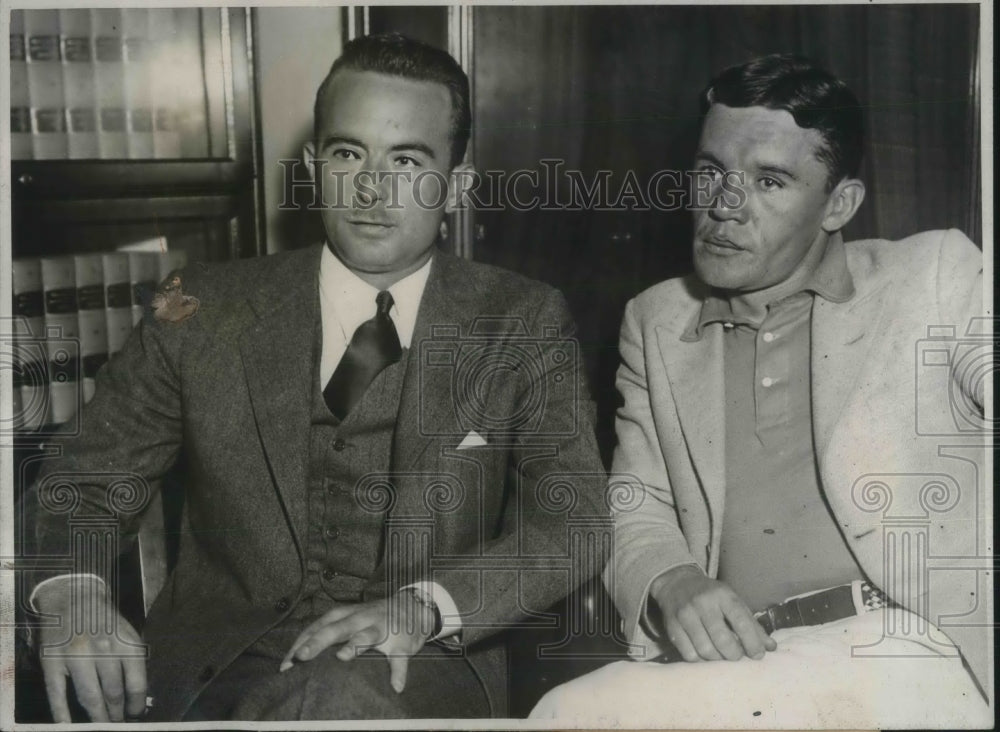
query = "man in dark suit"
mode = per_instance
[{"x": 374, "y": 435}]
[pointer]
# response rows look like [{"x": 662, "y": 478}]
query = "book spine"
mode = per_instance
[
  {"x": 118, "y": 299},
  {"x": 92, "y": 318},
  {"x": 20, "y": 101},
  {"x": 109, "y": 83},
  {"x": 62, "y": 337},
  {"x": 144, "y": 271},
  {"x": 31, "y": 379},
  {"x": 135, "y": 29},
  {"x": 163, "y": 81},
  {"x": 78, "y": 84},
  {"x": 45, "y": 85}
]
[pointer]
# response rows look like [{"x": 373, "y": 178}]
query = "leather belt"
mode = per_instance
[{"x": 825, "y": 606}]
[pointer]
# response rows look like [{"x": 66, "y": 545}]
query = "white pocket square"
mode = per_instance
[{"x": 473, "y": 439}]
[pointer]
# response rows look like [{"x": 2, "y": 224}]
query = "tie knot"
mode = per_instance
[{"x": 383, "y": 302}]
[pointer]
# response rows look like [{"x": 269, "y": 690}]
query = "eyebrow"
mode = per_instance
[
  {"x": 709, "y": 157},
  {"x": 777, "y": 170},
  {"x": 401, "y": 147},
  {"x": 771, "y": 168}
]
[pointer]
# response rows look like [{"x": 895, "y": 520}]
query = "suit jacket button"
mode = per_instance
[
  {"x": 282, "y": 605},
  {"x": 206, "y": 674},
  {"x": 339, "y": 444}
]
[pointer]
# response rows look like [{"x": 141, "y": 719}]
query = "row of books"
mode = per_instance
[
  {"x": 111, "y": 83},
  {"x": 71, "y": 313}
]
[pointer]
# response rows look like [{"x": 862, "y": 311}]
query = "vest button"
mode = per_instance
[
  {"x": 329, "y": 574},
  {"x": 282, "y": 605},
  {"x": 331, "y": 532},
  {"x": 206, "y": 674},
  {"x": 339, "y": 444}
]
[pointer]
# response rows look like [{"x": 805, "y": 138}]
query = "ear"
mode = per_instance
[
  {"x": 309, "y": 158},
  {"x": 460, "y": 181},
  {"x": 842, "y": 204}
]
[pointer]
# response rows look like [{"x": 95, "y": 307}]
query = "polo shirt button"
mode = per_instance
[
  {"x": 282, "y": 605},
  {"x": 329, "y": 574},
  {"x": 206, "y": 674},
  {"x": 766, "y": 381},
  {"x": 331, "y": 532},
  {"x": 768, "y": 337},
  {"x": 339, "y": 444}
]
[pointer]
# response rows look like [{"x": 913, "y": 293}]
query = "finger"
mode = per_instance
[
  {"x": 690, "y": 620},
  {"x": 358, "y": 644},
  {"x": 751, "y": 636},
  {"x": 330, "y": 616},
  {"x": 88, "y": 688},
  {"x": 770, "y": 643},
  {"x": 302, "y": 642},
  {"x": 724, "y": 640},
  {"x": 55, "y": 689},
  {"x": 398, "y": 666},
  {"x": 135, "y": 686},
  {"x": 679, "y": 637},
  {"x": 109, "y": 672},
  {"x": 330, "y": 635}
]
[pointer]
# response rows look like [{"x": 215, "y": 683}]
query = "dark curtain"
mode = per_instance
[{"x": 616, "y": 89}]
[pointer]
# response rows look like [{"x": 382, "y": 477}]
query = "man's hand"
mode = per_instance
[
  {"x": 93, "y": 645},
  {"x": 397, "y": 627},
  {"x": 705, "y": 620}
]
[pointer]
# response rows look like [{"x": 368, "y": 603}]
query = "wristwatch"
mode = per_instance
[{"x": 424, "y": 599}]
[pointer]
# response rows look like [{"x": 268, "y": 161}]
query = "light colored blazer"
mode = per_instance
[{"x": 891, "y": 459}]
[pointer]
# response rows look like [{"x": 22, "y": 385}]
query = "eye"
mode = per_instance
[
  {"x": 769, "y": 184},
  {"x": 711, "y": 172},
  {"x": 407, "y": 161},
  {"x": 343, "y": 153}
]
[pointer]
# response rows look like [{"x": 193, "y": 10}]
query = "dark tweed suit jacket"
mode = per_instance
[{"x": 228, "y": 390}]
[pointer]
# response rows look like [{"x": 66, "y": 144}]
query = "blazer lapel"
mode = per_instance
[
  {"x": 841, "y": 341},
  {"x": 695, "y": 371},
  {"x": 427, "y": 411},
  {"x": 278, "y": 358}
]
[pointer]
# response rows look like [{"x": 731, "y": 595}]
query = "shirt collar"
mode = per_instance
[
  {"x": 830, "y": 279},
  {"x": 352, "y": 300}
]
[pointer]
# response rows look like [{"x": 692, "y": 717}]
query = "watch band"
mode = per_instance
[{"x": 424, "y": 599}]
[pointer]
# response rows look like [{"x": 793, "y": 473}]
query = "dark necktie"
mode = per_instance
[{"x": 374, "y": 346}]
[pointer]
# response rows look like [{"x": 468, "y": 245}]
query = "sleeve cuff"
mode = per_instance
[
  {"x": 451, "y": 621},
  {"x": 59, "y": 578}
]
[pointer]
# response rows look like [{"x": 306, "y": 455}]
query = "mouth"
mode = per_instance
[
  {"x": 721, "y": 244},
  {"x": 371, "y": 227}
]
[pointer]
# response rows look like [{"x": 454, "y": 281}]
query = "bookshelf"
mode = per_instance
[{"x": 131, "y": 124}]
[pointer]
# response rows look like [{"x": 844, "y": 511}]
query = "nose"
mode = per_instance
[
  {"x": 371, "y": 186},
  {"x": 729, "y": 201}
]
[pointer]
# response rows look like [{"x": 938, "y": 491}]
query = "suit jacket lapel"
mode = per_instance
[
  {"x": 278, "y": 359},
  {"x": 841, "y": 341},
  {"x": 695, "y": 370},
  {"x": 427, "y": 410}
]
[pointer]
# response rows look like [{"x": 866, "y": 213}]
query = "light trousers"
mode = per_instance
[{"x": 885, "y": 668}]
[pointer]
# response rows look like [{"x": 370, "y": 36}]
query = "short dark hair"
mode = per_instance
[
  {"x": 396, "y": 55},
  {"x": 815, "y": 98}
]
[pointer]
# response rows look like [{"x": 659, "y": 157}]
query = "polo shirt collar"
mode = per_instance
[{"x": 830, "y": 279}]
